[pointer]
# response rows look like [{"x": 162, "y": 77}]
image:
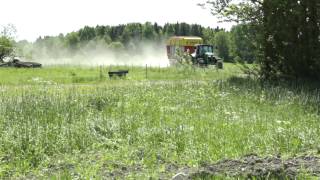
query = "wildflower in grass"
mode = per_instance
[
  {"x": 223, "y": 94},
  {"x": 36, "y": 79},
  {"x": 235, "y": 117},
  {"x": 262, "y": 96},
  {"x": 280, "y": 130}
]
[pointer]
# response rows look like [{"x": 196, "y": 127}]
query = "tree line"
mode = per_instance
[
  {"x": 234, "y": 45},
  {"x": 126, "y": 37}
]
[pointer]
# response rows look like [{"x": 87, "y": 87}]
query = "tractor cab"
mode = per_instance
[{"x": 202, "y": 50}]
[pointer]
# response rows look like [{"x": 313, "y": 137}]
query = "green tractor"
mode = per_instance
[{"x": 205, "y": 56}]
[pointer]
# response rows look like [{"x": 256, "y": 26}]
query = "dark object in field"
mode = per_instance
[
  {"x": 20, "y": 64},
  {"x": 119, "y": 73}
]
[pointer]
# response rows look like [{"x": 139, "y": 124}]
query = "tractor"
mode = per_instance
[
  {"x": 204, "y": 56},
  {"x": 201, "y": 54}
]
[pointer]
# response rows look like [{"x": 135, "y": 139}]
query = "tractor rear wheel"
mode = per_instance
[{"x": 219, "y": 65}]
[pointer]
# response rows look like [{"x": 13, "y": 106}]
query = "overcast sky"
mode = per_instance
[{"x": 34, "y": 18}]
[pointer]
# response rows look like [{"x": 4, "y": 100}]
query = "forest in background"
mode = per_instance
[{"x": 134, "y": 38}]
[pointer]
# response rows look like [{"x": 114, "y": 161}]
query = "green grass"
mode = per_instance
[
  {"x": 89, "y": 128},
  {"x": 96, "y": 75}
]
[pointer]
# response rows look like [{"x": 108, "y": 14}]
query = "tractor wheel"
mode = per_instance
[{"x": 220, "y": 65}]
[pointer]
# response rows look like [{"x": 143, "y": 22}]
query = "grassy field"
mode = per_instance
[
  {"x": 74, "y": 122},
  {"x": 99, "y": 75}
]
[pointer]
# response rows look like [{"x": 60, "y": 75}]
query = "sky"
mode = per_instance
[{"x": 34, "y": 18}]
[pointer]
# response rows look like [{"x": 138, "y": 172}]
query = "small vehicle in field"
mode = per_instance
[
  {"x": 15, "y": 62},
  {"x": 119, "y": 73}
]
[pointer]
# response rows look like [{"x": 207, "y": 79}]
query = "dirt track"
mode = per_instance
[
  {"x": 247, "y": 167},
  {"x": 253, "y": 166}
]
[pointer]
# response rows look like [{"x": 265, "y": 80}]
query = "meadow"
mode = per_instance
[{"x": 76, "y": 123}]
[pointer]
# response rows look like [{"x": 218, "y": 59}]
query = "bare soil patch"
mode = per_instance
[{"x": 253, "y": 166}]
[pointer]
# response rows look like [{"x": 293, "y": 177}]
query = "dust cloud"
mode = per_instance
[{"x": 97, "y": 55}]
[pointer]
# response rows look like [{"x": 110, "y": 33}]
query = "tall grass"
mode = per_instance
[{"x": 152, "y": 123}]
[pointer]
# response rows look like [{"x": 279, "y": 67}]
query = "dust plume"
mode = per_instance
[{"x": 97, "y": 53}]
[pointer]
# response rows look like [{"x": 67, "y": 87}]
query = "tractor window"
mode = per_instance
[
  {"x": 208, "y": 49},
  {"x": 205, "y": 49}
]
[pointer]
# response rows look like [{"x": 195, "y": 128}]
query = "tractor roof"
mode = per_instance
[{"x": 203, "y": 45}]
